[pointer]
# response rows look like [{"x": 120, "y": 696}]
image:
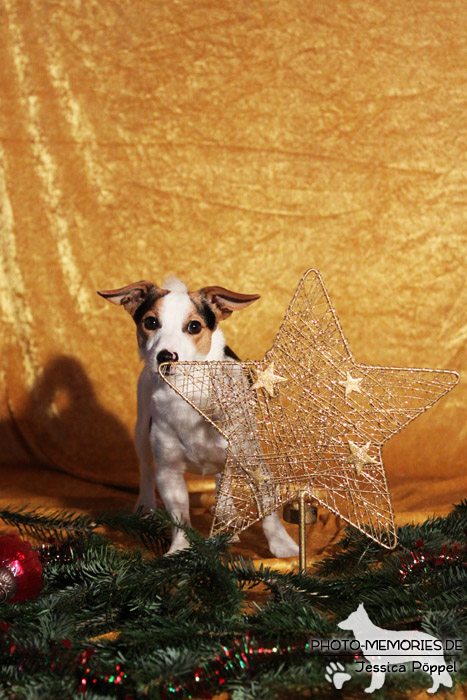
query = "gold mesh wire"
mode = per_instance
[{"x": 307, "y": 418}]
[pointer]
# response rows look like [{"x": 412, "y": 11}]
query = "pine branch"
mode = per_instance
[
  {"x": 176, "y": 613},
  {"x": 43, "y": 525},
  {"x": 152, "y": 529}
]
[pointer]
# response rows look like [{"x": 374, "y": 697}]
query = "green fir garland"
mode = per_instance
[{"x": 181, "y": 626}]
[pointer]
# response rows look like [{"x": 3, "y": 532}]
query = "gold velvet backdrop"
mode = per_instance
[{"x": 236, "y": 143}]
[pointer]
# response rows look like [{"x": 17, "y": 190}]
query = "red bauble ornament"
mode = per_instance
[{"x": 20, "y": 570}]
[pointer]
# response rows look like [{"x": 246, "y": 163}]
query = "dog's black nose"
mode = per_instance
[{"x": 166, "y": 356}]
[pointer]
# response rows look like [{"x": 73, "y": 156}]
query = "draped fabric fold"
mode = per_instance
[{"x": 235, "y": 144}]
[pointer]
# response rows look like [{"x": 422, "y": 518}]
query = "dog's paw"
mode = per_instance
[
  {"x": 179, "y": 543},
  {"x": 335, "y": 674}
]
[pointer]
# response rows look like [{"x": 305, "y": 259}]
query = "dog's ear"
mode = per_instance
[
  {"x": 132, "y": 296},
  {"x": 226, "y": 301}
]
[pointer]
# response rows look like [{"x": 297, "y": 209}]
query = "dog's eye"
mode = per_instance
[
  {"x": 194, "y": 327},
  {"x": 151, "y": 323}
]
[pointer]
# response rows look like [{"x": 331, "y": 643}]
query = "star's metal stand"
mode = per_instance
[{"x": 302, "y": 513}]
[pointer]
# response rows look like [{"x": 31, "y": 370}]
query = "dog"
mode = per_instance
[
  {"x": 173, "y": 324},
  {"x": 408, "y": 647}
]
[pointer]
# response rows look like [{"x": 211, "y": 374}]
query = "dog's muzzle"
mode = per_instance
[{"x": 166, "y": 356}]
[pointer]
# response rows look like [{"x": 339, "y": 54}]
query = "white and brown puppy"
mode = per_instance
[{"x": 173, "y": 324}]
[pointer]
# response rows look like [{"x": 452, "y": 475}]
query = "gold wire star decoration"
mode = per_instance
[{"x": 307, "y": 419}]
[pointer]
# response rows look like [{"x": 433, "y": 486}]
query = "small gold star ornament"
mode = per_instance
[
  {"x": 359, "y": 456},
  {"x": 351, "y": 384},
  {"x": 307, "y": 419},
  {"x": 266, "y": 379}
]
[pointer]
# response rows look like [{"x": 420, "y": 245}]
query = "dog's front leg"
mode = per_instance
[
  {"x": 173, "y": 491},
  {"x": 279, "y": 541},
  {"x": 147, "y": 468}
]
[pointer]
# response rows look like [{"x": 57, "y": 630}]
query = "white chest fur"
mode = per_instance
[{"x": 180, "y": 436}]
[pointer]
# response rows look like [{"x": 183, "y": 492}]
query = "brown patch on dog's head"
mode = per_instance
[
  {"x": 200, "y": 324},
  {"x": 210, "y": 306},
  {"x": 148, "y": 322}
]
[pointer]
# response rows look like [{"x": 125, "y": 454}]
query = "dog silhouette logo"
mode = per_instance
[{"x": 391, "y": 651}]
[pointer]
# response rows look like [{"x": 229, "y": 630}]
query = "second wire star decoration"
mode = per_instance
[{"x": 308, "y": 418}]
